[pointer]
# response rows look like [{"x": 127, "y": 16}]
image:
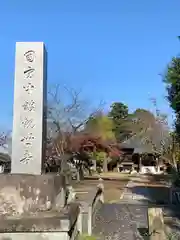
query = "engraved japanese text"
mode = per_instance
[
  {"x": 28, "y": 122},
  {"x": 27, "y": 140},
  {"x": 29, "y": 87},
  {"x": 29, "y": 105},
  {"x": 29, "y": 72},
  {"x": 27, "y": 157},
  {"x": 30, "y": 56}
]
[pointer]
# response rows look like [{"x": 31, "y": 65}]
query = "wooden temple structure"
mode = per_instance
[{"x": 140, "y": 156}]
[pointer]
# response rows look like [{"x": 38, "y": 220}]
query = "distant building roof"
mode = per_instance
[{"x": 148, "y": 141}]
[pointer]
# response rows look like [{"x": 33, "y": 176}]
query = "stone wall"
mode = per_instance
[
  {"x": 22, "y": 194},
  {"x": 34, "y": 207}
]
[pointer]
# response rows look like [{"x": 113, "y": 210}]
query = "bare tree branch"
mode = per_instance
[
  {"x": 4, "y": 138},
  {"x": 71, "y": 113},
  {"x": 67, "y": 113}
]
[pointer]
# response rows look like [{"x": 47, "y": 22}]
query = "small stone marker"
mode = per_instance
[
  {"x": 156, "y": 224},
  {"x": 29, "y": 92}
]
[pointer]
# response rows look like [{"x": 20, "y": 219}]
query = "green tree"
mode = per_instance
[
  {"x": 101, "y": 159},
  {"x": 172, "y": 80},
  {"x": 118, "y": 113},
  {"x": 102, "y": 126}
]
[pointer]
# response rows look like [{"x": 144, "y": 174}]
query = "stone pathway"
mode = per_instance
[
  {"x": 126, "y": 219},
  {"x": 120, "y": 222}
]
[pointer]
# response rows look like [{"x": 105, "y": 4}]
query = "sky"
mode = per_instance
[{"x": 111, "y": 50}]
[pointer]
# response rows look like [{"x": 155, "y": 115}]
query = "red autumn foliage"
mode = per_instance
[
  {"x": 83, "y": 142},
  {"x": 89, "y": 142}
]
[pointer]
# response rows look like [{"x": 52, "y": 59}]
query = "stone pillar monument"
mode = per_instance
[
  {"x": 29, "y": 92},
  {"x": 32, "y": 205}
]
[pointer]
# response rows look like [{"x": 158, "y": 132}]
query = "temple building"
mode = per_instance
[{"x": 142, "y": 155}]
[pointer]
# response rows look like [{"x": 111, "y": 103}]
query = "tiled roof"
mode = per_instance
[{"x": 149, "y": 141}]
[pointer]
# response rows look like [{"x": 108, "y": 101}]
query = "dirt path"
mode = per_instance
[
  {"x": 113, "y": 189},
  {"x": 153, "y": 187}
]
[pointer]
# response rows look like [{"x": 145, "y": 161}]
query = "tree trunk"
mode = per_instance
[
  {"x": 105, "y": 163},
  {"x": 78, "y": 176},
  {"x": 139, "y": 163},
  {"x": 174, "y": 160},
  {"x": 81, "y": 173},
  {"x": 90, "y": 173},
  {"x": 174, "y": 152}
]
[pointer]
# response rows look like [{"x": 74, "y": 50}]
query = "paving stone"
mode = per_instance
[
  {"x": 120, "y": 221},
  {"x": 127, "y": 220}
]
